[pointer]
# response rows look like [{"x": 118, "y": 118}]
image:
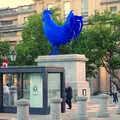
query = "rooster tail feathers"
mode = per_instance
[
  {"x": 81, "y": 26},
  {"x": 70, "y": 15},
  {"x": 68, "y": 19},
  {"x": 77, "y": 26}
]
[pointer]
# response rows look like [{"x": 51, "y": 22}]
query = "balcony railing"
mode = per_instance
[
  {"x": 9, "y": 28},
  {"x": 109, "y": 1},
  {"x": 8, "y": 24},
  {"x": 16, "y": 11}
]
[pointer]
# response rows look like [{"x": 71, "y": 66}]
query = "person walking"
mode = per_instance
[
  {"x": 114, "y": 92},
  {"x": 6, "y": 94},
  {"x": 68, "y": 91}
]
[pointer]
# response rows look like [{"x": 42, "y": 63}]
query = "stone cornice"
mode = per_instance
[{"x": 61, "y": 58}]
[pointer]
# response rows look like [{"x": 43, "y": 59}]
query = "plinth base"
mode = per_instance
[
  {"x": 82, "y": 118},
  {"x": 103, "y": 115}
]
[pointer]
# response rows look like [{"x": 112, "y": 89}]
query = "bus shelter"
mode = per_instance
[{"x": 36, "y": 84}]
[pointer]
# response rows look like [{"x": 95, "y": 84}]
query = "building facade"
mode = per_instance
[
  {"x": 11, "y": 22},
  {"x": 112, "y": 5},
  {"x": 13, "y": 19}
]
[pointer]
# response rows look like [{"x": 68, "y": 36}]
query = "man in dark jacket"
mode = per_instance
[{"x": 68, "y": 91}]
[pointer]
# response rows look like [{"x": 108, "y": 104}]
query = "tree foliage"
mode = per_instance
[
  {"x": 100, "y": 37},
  {"x": 4, "y": 50},
  {"x": 104, "y": 36},
  {"x": 33, "y": 42}
]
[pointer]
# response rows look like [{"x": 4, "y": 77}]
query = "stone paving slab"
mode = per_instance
[
  {"x": 3, "y": 119},
  {"x": 92, "y": 110},
  {"x": 8, "y": 119},
  {"x": 68, "y": 117}
]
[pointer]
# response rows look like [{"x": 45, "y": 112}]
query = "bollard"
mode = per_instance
[
  {"x": 23, "y": 109},
  {"x": 103, "y": 112},
  {"x": 56, "y": 109},
  {"x": 82, "y": 114}
]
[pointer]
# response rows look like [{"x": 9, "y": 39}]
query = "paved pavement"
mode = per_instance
[{"x": 92, "y": 110}]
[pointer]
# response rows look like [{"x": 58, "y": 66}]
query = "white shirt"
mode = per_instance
[
  {"x": 6, "y": 89},
  {"x": 114, "y": 89}
]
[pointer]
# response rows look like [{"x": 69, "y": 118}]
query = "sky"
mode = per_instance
[{"x": 14, "y": 3}]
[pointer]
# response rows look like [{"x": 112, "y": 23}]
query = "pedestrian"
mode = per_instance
[
  {"x": 68, "y": 91},
  {"x": 114, "y": 92},
  {"x": 6, "y": 94}
]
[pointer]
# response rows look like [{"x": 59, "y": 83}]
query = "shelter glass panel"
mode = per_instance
[
  {"x": 33, "y": 89},
  {"x": 54, "y": 86},
  {"x": 23, "y": 85},
  {"x": 11, "y": 89}
]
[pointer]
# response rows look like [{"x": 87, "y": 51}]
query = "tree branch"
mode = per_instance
[{"x": 109, "y": 70}]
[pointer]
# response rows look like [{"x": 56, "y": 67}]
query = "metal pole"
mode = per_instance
[{"x": 110, "y": 84}]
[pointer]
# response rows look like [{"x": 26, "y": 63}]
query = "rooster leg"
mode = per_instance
[{"x": 55, "y": 51}]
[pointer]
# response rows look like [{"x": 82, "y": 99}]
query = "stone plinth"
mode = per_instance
[
  {"x": 103, "y": 112},
  {"x": 23, "y": 109},
  {"x": 82, "y": 108},
  {"x": 75, "y": 72}
]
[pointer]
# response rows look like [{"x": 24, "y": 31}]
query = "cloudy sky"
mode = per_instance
[{"x": 14, "y": 3}]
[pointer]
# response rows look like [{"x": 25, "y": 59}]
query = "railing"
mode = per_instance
[
  {"x": 13, "y": 23},
  {"x": 109, "y": 1},
  {"x": 12, "y": 27},
  {"x": 15, "y": 11}
]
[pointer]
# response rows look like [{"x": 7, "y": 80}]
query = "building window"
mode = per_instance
[
  {"x": 50, "y": 6},
  {"x": 84, "y": 10},
  {"x": 10, "y": 34},
  {"x": 113, "y": 9},
  {"x": 9, "y": 22},
  {"x": 67, "y": 8},
  {"x": 6, "y": 22},
  {"x": 25, "y": 19}
]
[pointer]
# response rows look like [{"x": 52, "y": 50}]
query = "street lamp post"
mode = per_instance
[{"x": 13, "y": 56}]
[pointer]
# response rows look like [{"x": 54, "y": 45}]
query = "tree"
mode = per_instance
[
  {"x": 33, "y": 42},
  {"x": 100, "y": 42},
  {"x": 4, "y": 50},
  {"x": 98, "y": 39}
]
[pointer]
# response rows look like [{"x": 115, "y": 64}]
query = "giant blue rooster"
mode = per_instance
[{"x": 61, "y": 35}]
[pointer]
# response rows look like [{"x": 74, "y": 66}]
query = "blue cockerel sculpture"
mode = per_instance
[{"x": 61, "y": 35}]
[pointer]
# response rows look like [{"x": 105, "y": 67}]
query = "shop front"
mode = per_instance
[{"x": 36, "y": 84}]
